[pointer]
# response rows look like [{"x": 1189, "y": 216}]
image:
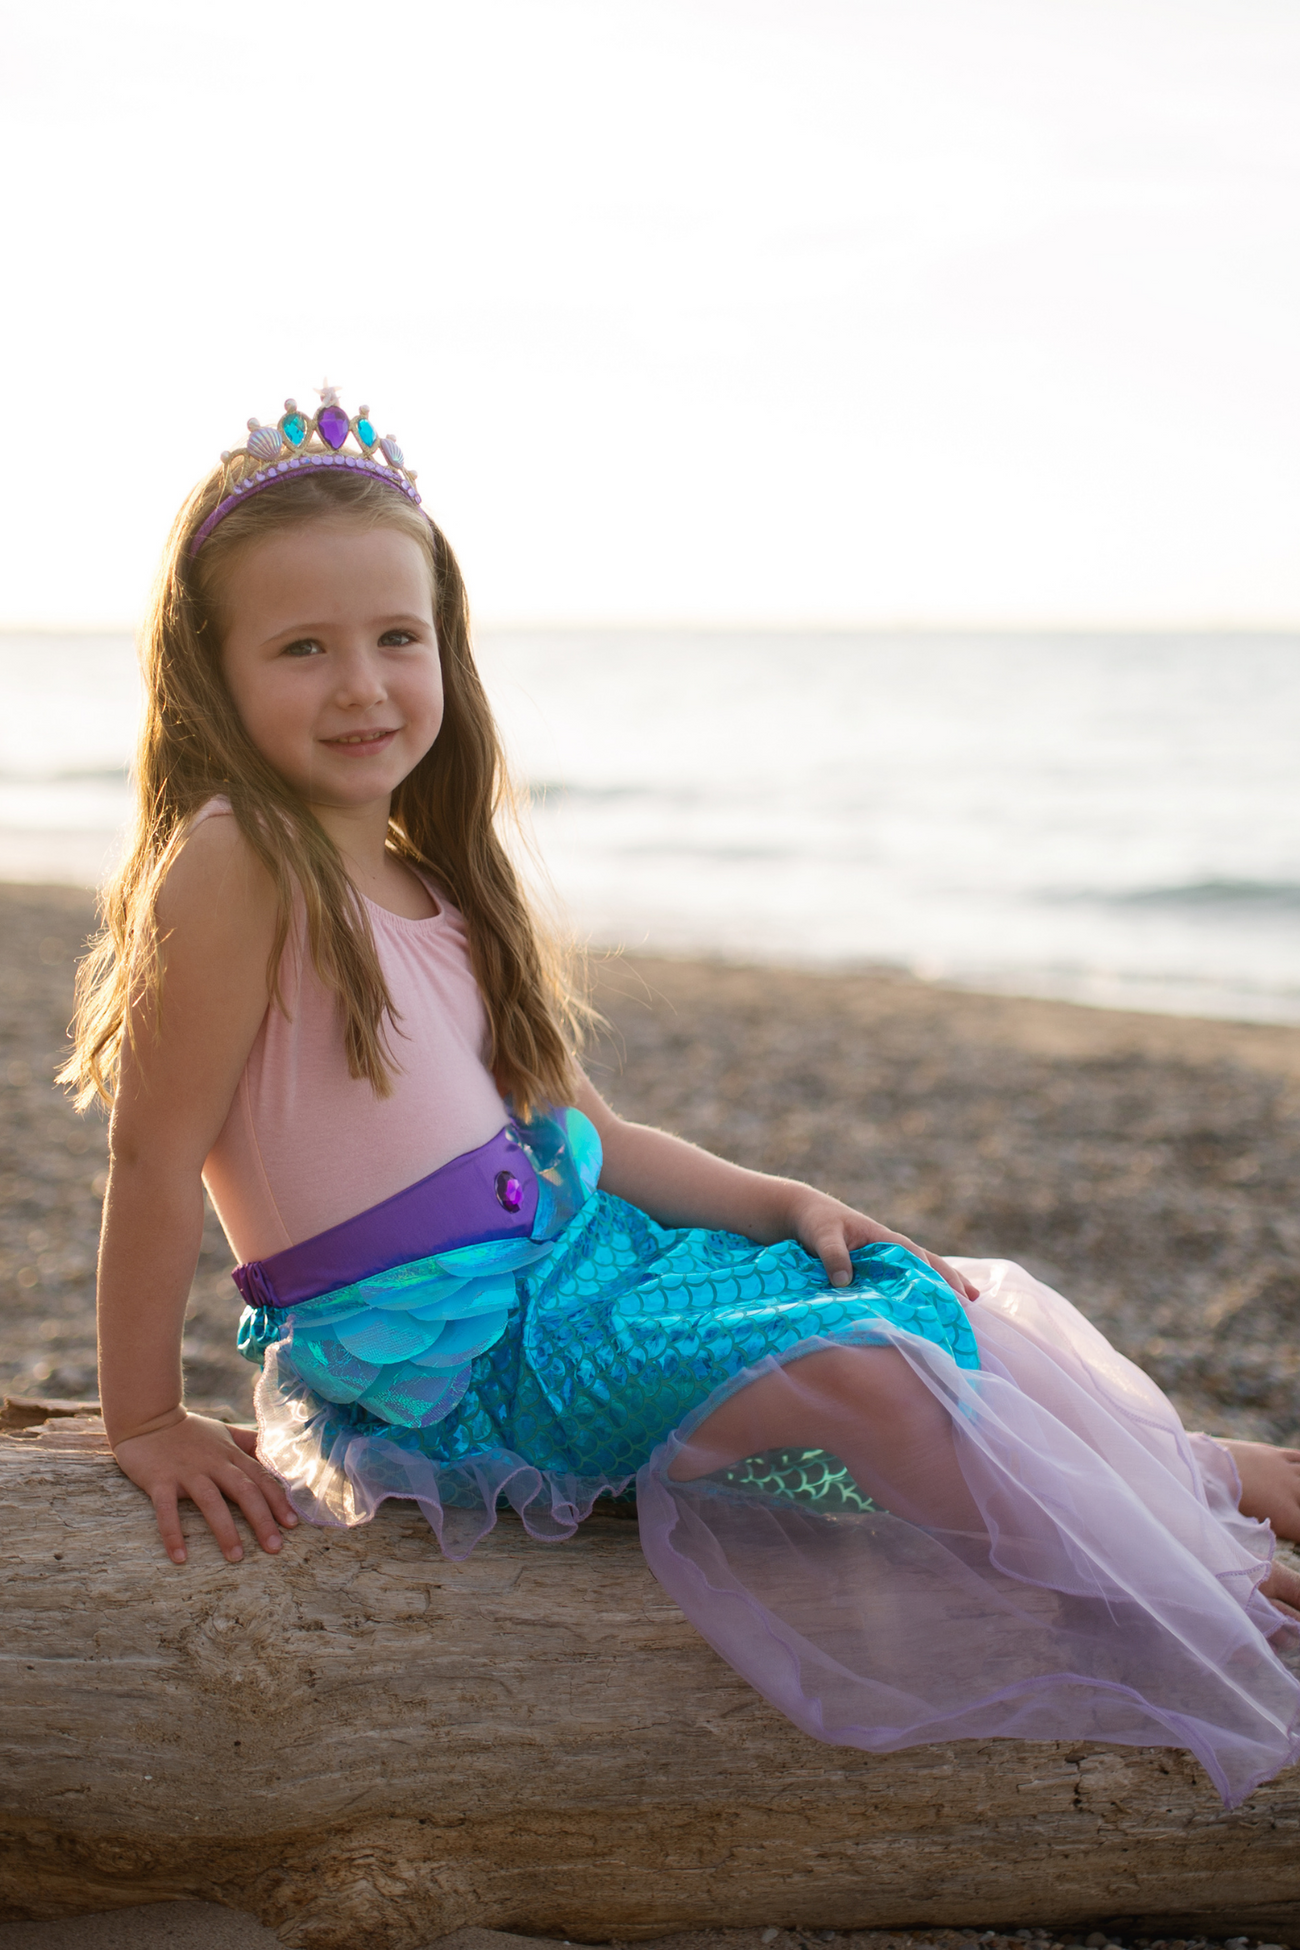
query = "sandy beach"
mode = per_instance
[{"x": 1145, "y": 1165}]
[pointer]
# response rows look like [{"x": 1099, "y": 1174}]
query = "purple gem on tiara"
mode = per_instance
[{"x": 332, "y": 425}]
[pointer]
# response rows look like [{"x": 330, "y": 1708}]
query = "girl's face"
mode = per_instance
[{"x": 329, "y": 649}]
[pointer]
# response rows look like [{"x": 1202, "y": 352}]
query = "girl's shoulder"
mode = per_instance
[
  {"x": 217, "y": 807},
  {"x": 215, "y": 881},
  {"x": 210, "y": 841}
]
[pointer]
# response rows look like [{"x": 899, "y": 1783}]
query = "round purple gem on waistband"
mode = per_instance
[{"x": 510, "y": 1193}]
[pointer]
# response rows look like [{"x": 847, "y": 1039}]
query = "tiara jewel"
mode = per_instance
[{"x": 296, "y": 442}]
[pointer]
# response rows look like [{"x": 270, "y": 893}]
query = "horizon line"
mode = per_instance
[{"x": 787, "y": 626}]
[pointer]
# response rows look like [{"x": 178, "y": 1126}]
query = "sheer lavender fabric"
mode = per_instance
[
  {"x": 1103, "y": 1585},
  {"x": 339, "y": 1474}
]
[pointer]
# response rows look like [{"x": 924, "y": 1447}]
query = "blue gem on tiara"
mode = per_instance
[{"x": 294, "y": 424}]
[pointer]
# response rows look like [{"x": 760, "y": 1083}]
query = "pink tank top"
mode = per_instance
[{"x": 305, "y": 1145}]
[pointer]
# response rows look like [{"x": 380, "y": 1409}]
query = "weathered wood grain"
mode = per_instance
[{"x": 365, "y": 1744}]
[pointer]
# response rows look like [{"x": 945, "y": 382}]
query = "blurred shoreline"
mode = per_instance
[
  {"x": 1102, "y": 818},
  {"x": 1145, "y": 1165}
]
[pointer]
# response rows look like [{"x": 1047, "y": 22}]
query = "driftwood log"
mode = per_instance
[{"x": 362, "y": 1743}]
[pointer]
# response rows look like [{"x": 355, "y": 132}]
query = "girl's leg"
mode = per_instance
[
  {"x": 1270, "y": 1485},
  {"x": 869, "y": 1408},
  {"x": 1270, "y": 1492}
]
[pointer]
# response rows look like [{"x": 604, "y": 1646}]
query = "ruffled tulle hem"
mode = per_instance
[
  {"x": 1091, "y": 1579},
  {"x": 338, "y": 1469}
]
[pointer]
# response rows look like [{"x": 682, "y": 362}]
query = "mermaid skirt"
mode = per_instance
[{"x": 1058, "y": 1560}]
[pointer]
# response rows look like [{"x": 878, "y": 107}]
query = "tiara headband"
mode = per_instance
[{"x": 295, "y": 443}]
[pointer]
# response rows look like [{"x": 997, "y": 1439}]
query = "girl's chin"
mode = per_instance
[{"x": 347, "y": 796}]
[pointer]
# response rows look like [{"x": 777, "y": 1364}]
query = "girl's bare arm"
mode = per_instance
[
  {"x": 681, "y": 1185},
  {"x": 217, "y": 921}
]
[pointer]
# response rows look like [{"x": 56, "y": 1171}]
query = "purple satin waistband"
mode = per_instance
[{"x": 490, "y": 1193}]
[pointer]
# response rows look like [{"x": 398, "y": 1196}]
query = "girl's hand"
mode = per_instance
[
  {"x": 209, "y": 1463},
  {"x": 680, "y": 1185},
  {"x": 830, "y": 1231}
]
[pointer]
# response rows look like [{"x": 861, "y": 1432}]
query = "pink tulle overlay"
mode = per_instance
[{"x": 1084, "y": 1572}]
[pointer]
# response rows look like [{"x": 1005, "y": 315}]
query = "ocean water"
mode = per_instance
[{"x": 1114, "y": 819}]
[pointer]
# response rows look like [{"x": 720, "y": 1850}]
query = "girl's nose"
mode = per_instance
[{"x": 360, "y": 683}]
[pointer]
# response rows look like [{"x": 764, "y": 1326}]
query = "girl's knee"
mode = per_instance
[{"x": 866, "y": 1378}]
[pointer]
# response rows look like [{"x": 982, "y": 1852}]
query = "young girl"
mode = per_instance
[{"x": 910, "y": 1501}]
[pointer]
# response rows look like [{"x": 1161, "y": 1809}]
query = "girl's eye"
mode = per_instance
[
  {"x": 394, "y": 639},
  {"x": 305, "y": 646}
]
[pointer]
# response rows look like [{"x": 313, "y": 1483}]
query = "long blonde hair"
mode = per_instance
[{"x": 445, "y": 819}]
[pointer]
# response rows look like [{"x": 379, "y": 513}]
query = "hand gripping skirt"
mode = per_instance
[{"x": 1103, "y": 1587}]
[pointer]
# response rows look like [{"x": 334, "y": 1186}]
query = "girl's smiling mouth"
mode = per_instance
[{"x": 362, "y": 741}]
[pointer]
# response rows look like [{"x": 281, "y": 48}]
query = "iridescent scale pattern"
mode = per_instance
[{"x": 620, "y": 1330}]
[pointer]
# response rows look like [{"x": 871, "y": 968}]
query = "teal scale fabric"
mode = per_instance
[
  {"x": 813, "y": 1477},
  {"x": 624, "y": 1327}
]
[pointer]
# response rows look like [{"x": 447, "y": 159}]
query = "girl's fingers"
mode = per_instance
[
  {"x": 960, "y": 1285},
  {"x": 832, "y": 1250},
  {"x": 278, "y": 1498},
  {"x": 241, "y": 1489},
  {"x": 274, "y": 1492},
  {"x": 216, "y": 1514},
  {"x": 865, "y": 1232},
  {"x": 169, "y": 1525}
]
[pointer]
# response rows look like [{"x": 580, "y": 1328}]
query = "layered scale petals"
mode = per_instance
[
  {"x": 464, "y": 1340},
  {"x": 377, "y": 1336},
  {"x": 411, "y": 1397},
  {"x": 326, "y": 1366},
  {"x": 565, "y": 1153}
]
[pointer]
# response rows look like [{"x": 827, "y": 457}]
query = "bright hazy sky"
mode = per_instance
[{"x": 841, "y": 311}]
